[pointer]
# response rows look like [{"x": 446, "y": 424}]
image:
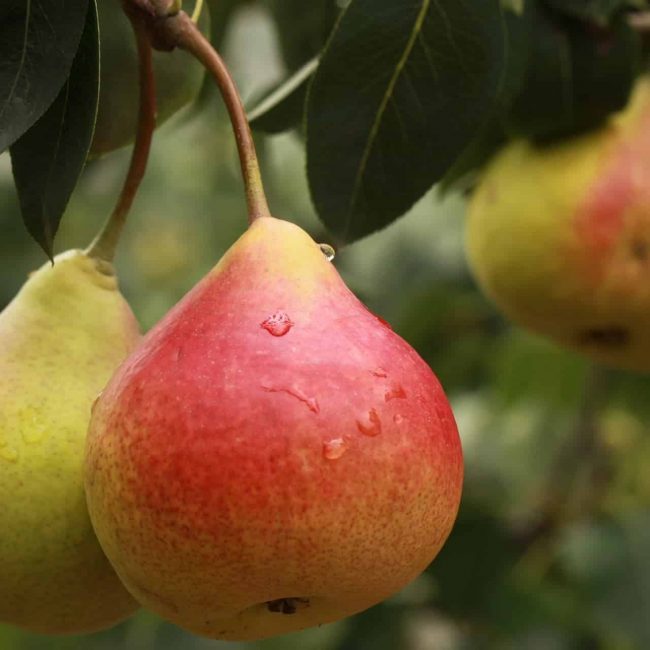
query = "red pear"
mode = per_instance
[
  {"x": 558, "y": 236},
  {"x": 273, "y": 456}
]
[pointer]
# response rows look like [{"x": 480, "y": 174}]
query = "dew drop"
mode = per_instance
[
  {"x": 379, "y": 318},
  {"x": 328, "y": 251},
  {"x": 396, "y": 392},
  {"x": 334, "y": 449},
  {"x": 277, "y": 324},
  {"x": 310, "y": 402},
  {"x": 385, "y": 323},
  {"x": 380, "y": 372},
  {"x": 373, "y": 428}
]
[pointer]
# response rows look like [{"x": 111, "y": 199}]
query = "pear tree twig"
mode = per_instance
[
  {"x": 581, "y": 446},
  {"x": 180, "y": 31},
  {"x": 170, "y": 29},
  {"x": 105, "y": 244}
]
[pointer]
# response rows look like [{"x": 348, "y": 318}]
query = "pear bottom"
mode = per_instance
[{"x": 80, "y": 596}]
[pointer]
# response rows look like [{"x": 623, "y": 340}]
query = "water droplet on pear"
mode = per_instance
[
  {"x": 396, "y": 392},
  {"x": 310, "y": 402},
  {"x": 385, "y": 323},
  {"x": 371, "y": 427},
  {"x": 328, "y": 251},
  {"x": 334, "y": 449},
  {"x": 277, "y": 324}
]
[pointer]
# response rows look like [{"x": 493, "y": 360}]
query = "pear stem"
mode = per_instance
[
  {"x": 105, "y": 244},
  {"x": 178, "y": 30}
]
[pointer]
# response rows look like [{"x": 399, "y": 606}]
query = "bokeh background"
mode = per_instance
[{"x": 552, "y": 546}]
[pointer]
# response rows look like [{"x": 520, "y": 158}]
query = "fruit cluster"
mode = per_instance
[{"x": 271, "y": 456}]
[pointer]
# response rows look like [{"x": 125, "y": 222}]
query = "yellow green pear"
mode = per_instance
[
  {"x": 60, "y": 340},
  {"x": 559, "y": 237}
]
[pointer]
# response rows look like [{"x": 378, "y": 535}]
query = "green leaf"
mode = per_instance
[
  {"x": 464, "y": 173},
  {"x": 599, "y": 11},
  {"x": 303, "y": 28},
  {"x": 221, "y": 13},
  {"x": 179, "y": 78},
  {"x": 469, "y": 582},
  {"x": 492, "y": 135},
  {"x": 609, "y": 561},
  {"x": 48, "y": 159},
  {"x": 282, "y": 108},
  {"x": 518, "y": 29},
  {"x": 578, "y": 75},
  {"x": 401, "y": 89},
  {"x": 38, "y": 41},
  {"x": 379, "y": 628},
  {"x": 606, "y": 64},
  {"x": 547, "y": 96},
  {"x": 529, "y": 368}
]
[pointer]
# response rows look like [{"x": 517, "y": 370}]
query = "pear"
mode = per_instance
[
  {"x": 178, "y": 80},
  {"x": 559, "y": 237},
  {"x": 272, "y": 456},
  {"x": 60, "y": 339}
]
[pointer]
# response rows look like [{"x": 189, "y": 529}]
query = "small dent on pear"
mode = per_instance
[
  {"x": 287, "y": 605},
  {"x": 277, "y": 324},
  {"x": 396, "y": 392},
  {"x": 328, "y": 251},
  {"x": 334, "y": 449},
  {"x": 605, "y": 337}
]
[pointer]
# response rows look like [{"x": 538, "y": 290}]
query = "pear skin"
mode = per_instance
[
  {"x": 60, "y": 340},
  {"x": 559, "y": 237},
  {"x": 273, "y": 456}
]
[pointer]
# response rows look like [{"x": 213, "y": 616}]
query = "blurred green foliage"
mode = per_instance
[{"x": 552, "y": 546}]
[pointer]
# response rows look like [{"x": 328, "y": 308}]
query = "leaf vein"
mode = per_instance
[
  {"x": 374, "y": 131},
  {"x": 23, "y": 58}
]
